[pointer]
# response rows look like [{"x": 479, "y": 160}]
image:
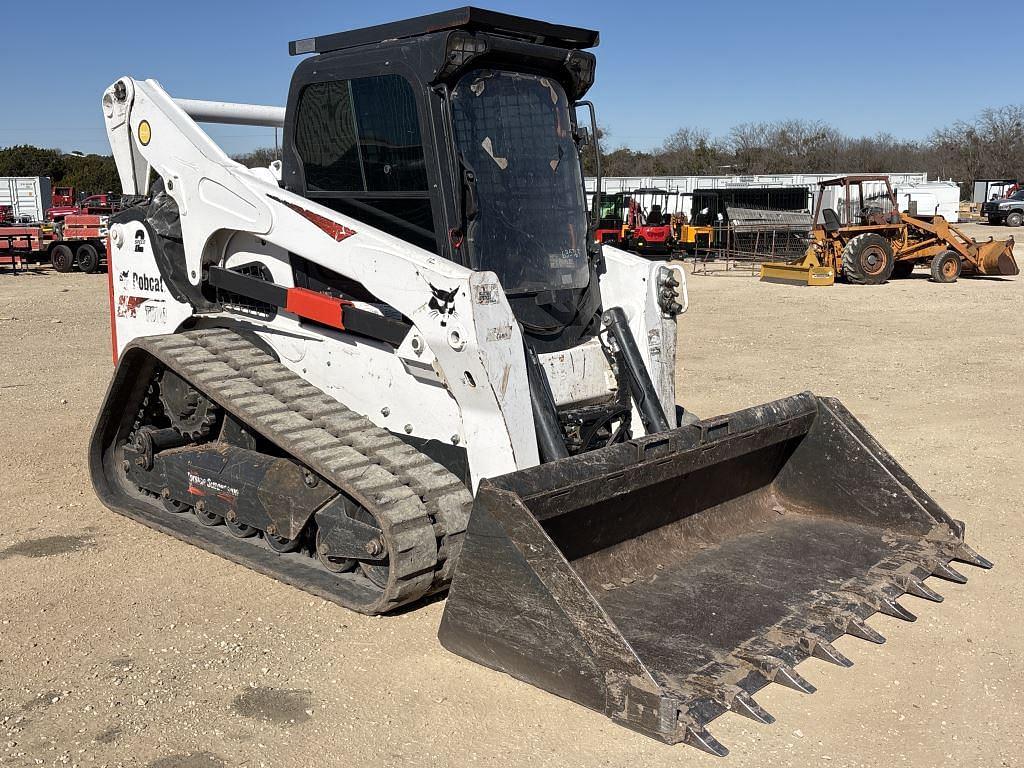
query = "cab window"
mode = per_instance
[{"x": 362, "y": 153}]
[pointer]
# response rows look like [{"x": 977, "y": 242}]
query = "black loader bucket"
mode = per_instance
[{"x": 665, "y": 580}]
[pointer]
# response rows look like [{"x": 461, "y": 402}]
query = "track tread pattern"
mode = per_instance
[{"x": 423, "y": 509}]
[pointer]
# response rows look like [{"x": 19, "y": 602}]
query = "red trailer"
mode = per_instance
[
  {"x": 99, "y": 205},
  {"x": 79, "y": 241}
]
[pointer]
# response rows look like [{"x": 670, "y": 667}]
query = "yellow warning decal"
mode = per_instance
[{"x": 145, "y": 133}]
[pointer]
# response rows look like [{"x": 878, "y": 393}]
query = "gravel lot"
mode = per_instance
[{"x": 119, "y": 646}]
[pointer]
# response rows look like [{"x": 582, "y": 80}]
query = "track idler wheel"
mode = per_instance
[
  {"x": 172, "y": 504},
  {"x": 206, "y": 517},
  {"x": 364, "y": 535},
  {"x": 280, "y": 544},
  {"x": 376, "y": 571},
  {"x": 239, "y": 529},
  {"x": 332, "y": 564}
]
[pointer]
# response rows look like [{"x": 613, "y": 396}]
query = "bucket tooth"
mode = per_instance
[
  {"x": 947, "y": 572},
  {"x": 858, "y": 628},
  {"x": 918, "y": 588},
  {"x": 789, "y": 677},
  {"x": 964, "y": 554},
  {"x": 702, "y": 739},
  {"x": 828, "y": 652},
  {"x": 779, "y": 672},
  {"x": 743, "y": 704},
  {"x": 894, "y": 609},
  {"x": 879, "y": 601}
]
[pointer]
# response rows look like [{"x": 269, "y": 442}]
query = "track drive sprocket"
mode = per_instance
[{"x": 189, "y": 412}]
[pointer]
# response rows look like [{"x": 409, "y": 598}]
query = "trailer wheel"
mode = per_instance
[
  {"x": 946, "y": 267},
  {"x": 903, "y": 269},
  {"x": 88, "y": 257},
  {"x": 1014, "y": 219},
  {"x": 61, "y": 258},
  {"x": 868, "y": 260}
]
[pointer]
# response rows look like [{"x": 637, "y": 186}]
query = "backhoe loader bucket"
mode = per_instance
[
  {"x": 995, "y": 257},
  {"x": 799, "y": 273},
  {"x": 807, "y": 271},
  {"x": 665, "y": 580}
]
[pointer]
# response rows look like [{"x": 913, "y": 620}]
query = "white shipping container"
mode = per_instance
[
  {"x": 683, "y": 187},
  {"x": 28, "y": 197},
  {"x": 931, "y": 198}
]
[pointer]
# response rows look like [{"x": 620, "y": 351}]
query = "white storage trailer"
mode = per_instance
[
  {"x": 681, "y": 188},
  {"x": 914, "y": 193},
  {"x": 930, "y": 198},
  {"x": 28, "y": 197}
]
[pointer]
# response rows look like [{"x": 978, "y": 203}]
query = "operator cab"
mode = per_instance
[{"x": 457, "y": 132}]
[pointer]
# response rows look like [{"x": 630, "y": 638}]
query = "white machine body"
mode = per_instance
[{"x": 459, "y": 376}]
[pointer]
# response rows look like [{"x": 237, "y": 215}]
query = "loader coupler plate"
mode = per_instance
[{"x": 665, "y": 580}]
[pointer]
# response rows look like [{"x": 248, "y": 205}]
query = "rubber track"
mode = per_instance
[{"x": 422, "y": 508}]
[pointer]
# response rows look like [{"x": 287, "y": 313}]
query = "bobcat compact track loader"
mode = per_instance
[{"x": 397, "y": 361}]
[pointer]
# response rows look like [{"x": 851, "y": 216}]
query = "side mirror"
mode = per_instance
[{"x": 583, "y": 137}]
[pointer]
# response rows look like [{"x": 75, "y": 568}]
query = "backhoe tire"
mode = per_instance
[
  {"x": 946, "y": 267},
  {"x": 902, "y": 269},
  {"x": 62, "y": 259},
  {"x": 1014, "y": 219},
  {"x": 88, "y": 258},
  {"x": 868, "y": 260}
]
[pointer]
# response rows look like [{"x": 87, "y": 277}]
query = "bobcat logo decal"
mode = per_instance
[{"x": 442, "y": 303}]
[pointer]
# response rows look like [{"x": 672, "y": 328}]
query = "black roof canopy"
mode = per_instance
[{"x": 468, "y": 18}]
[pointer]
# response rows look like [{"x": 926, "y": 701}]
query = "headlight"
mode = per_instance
[
  {"x": 462, "y": 46},
  {"x": 581, "y": 66}
]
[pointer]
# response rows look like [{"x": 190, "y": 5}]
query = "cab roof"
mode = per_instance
[{"x": 467, "y": 18}]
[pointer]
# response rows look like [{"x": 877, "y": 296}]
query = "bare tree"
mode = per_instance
[{"x": 990, "y": 145}]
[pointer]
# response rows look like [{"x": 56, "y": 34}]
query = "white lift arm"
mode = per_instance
[{"x": 475, "y": 344}]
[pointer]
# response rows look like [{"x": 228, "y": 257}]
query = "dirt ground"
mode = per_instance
[{"x": 123, "y": 647}]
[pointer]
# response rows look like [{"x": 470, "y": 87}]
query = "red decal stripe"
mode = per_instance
[
  {"x": 318, "y": 307},
  {"x": 332, "y": 229},
  {"x": 110, "y": 287}
]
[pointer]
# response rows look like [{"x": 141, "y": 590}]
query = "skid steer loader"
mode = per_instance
[{"x": 398, "y": 361}]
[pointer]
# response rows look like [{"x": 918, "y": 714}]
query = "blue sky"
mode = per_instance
[{"x": 662, "y": 64}]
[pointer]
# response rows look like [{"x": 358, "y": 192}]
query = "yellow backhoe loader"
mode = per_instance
[{"x": 869, "y": 240}]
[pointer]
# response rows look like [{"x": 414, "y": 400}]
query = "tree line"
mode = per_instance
[
  {"x": 86, "y": 173},
  {"x": 990, "y": 145}
]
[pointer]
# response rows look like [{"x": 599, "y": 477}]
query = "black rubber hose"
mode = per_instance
[
  {"x": 640, "y": 384},
  {"x": 550, "y": 438}
]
